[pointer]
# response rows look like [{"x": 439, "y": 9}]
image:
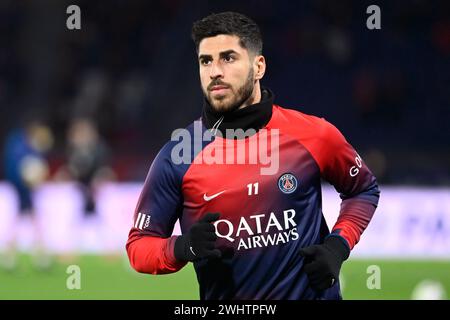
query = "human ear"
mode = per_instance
[{"x": 259, "y": 67}]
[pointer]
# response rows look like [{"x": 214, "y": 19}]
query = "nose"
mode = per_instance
[{"x": 216, "y": 71}]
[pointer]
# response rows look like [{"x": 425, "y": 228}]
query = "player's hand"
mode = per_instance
[
  {"x": 323, "y": 262},
  {"x": 199, "y": 242}
]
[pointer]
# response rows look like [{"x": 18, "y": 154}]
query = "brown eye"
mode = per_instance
[
  {"x": 229, "y": 59},
  {"x": 205, "y": 62}
]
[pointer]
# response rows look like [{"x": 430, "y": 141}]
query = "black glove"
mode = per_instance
[
  {"x": 199, "y": 242},
  {"x": 323, "y": 262}
]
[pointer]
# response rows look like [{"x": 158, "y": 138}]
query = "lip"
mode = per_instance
[{"x": 217, "y": 88}]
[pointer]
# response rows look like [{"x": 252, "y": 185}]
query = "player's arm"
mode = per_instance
[
  {"x": 153, "y": 255},
  {"x": 150, "y": 246},
  {"x": 341, "y": 165}
]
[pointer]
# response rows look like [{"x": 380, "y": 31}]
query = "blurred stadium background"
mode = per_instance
[{"x": 84, "y": 112}]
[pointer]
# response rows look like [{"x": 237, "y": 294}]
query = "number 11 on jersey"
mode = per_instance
[{"x": 252, "y": 188}]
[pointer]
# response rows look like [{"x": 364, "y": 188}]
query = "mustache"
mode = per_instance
[{"x": 217, "y": 83}]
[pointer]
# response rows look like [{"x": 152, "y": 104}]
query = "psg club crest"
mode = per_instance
[{"x": 287, "y": 183}]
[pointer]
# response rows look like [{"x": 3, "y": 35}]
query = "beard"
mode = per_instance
[{"x": 235, "y": 98}]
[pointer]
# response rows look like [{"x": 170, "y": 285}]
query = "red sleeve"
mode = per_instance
[
  {"x": 149, "y": 254},
  {"x": 150, "y": 246},
  {"x": 341, "y": 165}
]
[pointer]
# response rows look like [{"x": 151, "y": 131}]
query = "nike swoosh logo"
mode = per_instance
[{"x": 206, "y": 198}]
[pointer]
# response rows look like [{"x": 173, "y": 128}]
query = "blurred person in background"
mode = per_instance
[
  {"x": 87, "y": 159},
  {"x": 26, "y": 168},
  {"x": 87, "y": 164}
]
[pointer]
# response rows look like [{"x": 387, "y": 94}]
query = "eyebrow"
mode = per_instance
[{"x": 222, "y": 54}]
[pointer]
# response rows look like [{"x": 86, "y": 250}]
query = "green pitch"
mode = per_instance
[{"x": 112, "y": 278}]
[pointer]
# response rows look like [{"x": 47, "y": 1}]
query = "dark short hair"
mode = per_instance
[{"x": 230, "y": 23}]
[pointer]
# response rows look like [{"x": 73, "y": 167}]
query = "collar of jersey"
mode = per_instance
[{"x": 254, "y": 116}]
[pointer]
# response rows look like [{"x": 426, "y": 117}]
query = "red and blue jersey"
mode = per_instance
[{"x": 265, "y": 217}]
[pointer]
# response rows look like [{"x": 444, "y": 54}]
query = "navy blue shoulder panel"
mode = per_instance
[
  {"x": 184, "y": 146},
  {"x": 161, "y": 198}
]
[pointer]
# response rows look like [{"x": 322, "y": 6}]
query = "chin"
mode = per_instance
[{"x": 223, "y": 107}]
